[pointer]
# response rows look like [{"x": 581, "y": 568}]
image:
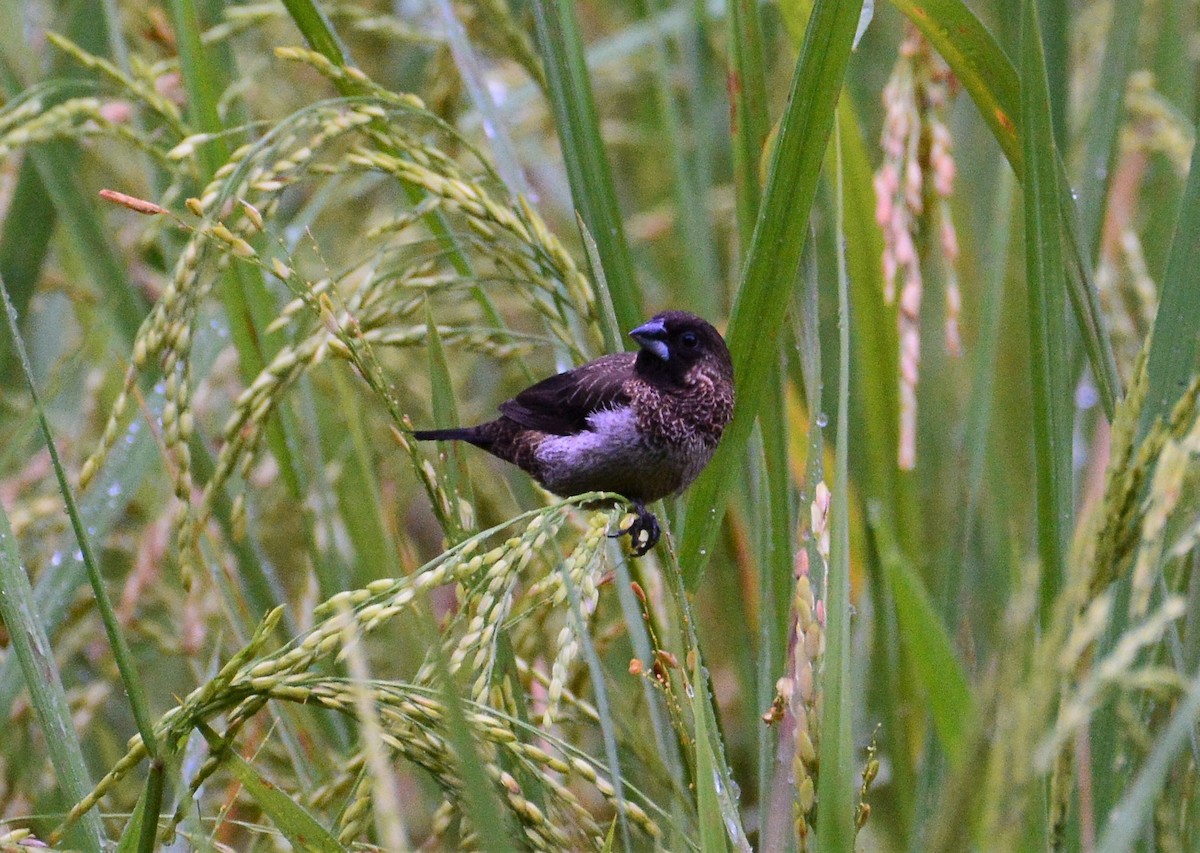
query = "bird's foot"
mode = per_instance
[{"x": 643, "y": 533}]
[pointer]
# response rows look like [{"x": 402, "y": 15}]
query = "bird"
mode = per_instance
[{"x": 641, "y": 424}]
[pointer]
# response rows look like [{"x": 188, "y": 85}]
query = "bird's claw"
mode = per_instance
[{"x": 643, "y": 533}]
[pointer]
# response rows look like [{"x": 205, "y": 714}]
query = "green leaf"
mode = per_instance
[
  {"x": 56, "y": 163},
  {"x": 702, "y": 286},
  {"x": 317, "y": 30},
  {"x": 32, "y": 649},
  {"x": 1172, "y": 358},
  {"x": 299, "y": 827},
  {"x": 1056, "y": 18},
  {"x": 762, "y": 300},
  {"x": 126, "y": 665},
  {"x": 141, "y": 832},
  {"x": 588, "y": 170},
  {"x": 926, "y": 641},
  {"x": 1100, "y": 142},
  {"x": 1048, "y": 343},
  {"x": 131, "y": 837},
  {"x": 708, "y": 799},
  {"x": 25, "y": 241},
  {"x": 445, "y": 413},
  {"x": 748, "y": 110},
  {"x": 835, "y": 783}
]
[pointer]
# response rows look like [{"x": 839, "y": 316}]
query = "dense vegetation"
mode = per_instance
[{"x": 937, "y": 591}]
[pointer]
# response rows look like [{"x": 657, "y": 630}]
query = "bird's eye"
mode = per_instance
[{"x": 689, "y": 340}]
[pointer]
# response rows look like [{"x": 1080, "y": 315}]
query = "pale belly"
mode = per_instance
[{"x": 613, "y": 456}]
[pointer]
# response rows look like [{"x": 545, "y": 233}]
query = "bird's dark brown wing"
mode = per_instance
[{"x": 561, "y": 404}]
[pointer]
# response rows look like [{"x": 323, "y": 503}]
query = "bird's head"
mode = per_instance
[{"x": 674, "y": 342}]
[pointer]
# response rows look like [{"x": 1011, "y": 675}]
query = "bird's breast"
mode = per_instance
[{"x": 615, "y": 454}]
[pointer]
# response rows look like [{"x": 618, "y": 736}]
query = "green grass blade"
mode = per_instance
[
  {"x": 1045, "y": 279},
  {"x": 835, "y": 784},
  {"x": 152, "y": 802},
  {"x": 1173, "y": 64},
  {"x": 762, "y": 300},
  {"x": 445, "y": 410},
  {"x": 708, "y": 799},
  {"x": 25, "y": 241},
  {"x": 610, "y": 327},
  {"x": 875, "y": 347},
  {"x": 317, "y": 31},
  {"x": 750, "y": 124},
  {"x": 358, "y": 487},
  {"x": 57, "y": 585},
  {"x": 474, "y": 80},
  {"x": 1085, "y": 300},
  {"x": 748, "y": 110},
  {"x": 607, "y": 720},
  {"x": 701, "y": 286},
  {"x": 34, "y": 654},
  {"x": 247, "y": 303},
  {"x": 200, "y": 80},
  {"x": 141, "y": 831},
  {"x": 1100, "y": 142},
  {"x": 588, "y": 170},
  {"x": 1172, "y": 358},
  {"x": 131, "y": 837},
  {"x": 928, "y": 645},
  {"x": 55, "y": 164},
  {"x": 124, "y": 657},
  {"x": 299, "y": 827},
  {"x": 775, "y": 517},
  {"x": 1055, "y": 18}
]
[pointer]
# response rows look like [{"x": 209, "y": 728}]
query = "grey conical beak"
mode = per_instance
[{"x": 652, "y": 337}]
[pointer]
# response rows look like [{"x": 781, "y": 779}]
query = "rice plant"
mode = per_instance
[{"x": 937, "y": 590}]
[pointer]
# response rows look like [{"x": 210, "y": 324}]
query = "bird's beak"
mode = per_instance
[{"x": 652, "y": 337}]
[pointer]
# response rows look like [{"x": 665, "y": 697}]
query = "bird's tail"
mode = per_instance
[{"x": 454, "y": 434}]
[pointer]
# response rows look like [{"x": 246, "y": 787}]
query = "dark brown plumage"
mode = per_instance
[{"x": 640, "y": 424}]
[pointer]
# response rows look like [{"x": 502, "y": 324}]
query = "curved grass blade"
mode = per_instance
[
  {"x": 25, "y": 241},
  {"x": 33, "y": 652},
  {"x": 1172, "y": 358},
  {"x": 708, "y": 798},
  {"x": 762, "y": 300},
  {"x": 588, "y": 170},
  {"x": 317, "y": 31},
  {"x": 299, "y": 827},
  {"x": 1049, "y": 357},
  {"x": 928, "y": 645},
  {"x": 445, "y": 415},
  {"x": 121, "y": 652}
]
